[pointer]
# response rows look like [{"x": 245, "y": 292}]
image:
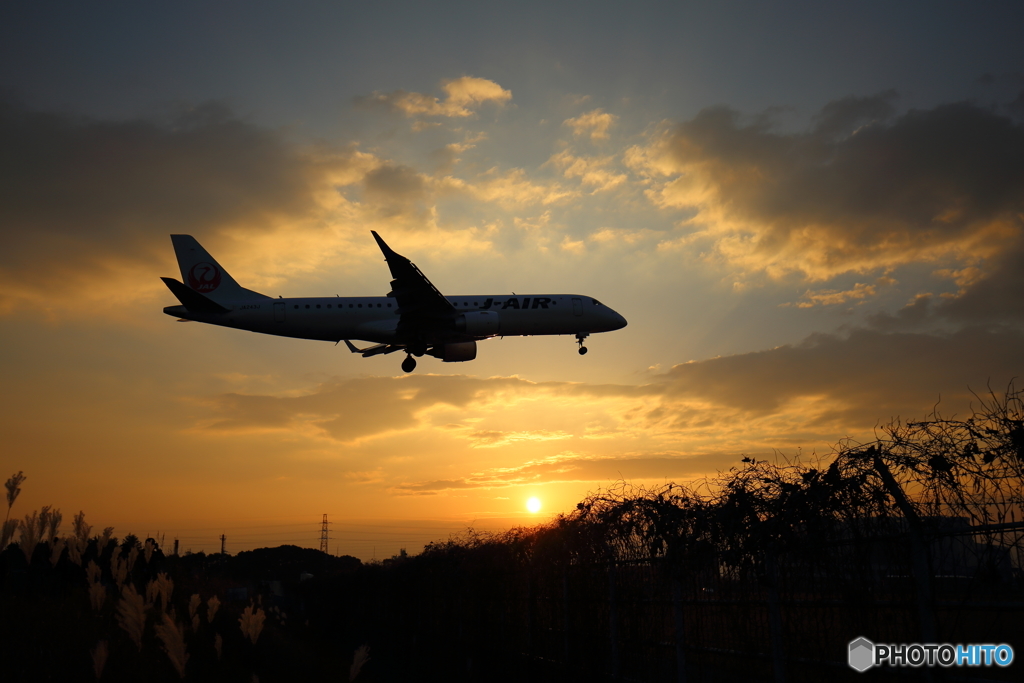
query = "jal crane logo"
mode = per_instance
[{"x": 204, "y": 277}]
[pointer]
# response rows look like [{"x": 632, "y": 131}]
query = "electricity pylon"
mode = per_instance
[{"x": 323, "y": 535}]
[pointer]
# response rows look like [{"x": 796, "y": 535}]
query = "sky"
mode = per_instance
[{"x": 811, "y": 216}]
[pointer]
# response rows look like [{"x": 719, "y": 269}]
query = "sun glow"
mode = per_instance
[{"x": 533, "y": 505}]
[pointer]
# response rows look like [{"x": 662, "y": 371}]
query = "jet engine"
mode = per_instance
[
  {"x": 478, "y": 323},
  {"x": 454, "y": 353}
]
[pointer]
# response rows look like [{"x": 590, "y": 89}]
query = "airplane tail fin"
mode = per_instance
[{"x": 202, "y": 273}]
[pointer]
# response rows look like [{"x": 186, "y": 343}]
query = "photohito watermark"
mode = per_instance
[{"x": 863, "y": 654}]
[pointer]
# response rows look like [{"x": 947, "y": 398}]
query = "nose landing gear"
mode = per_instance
[
  {"x": 409, "y": 364},
  {"x": 580, "y": 336}
]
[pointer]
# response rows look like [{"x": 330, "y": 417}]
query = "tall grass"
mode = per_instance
[{"x": 172, "y": 637}]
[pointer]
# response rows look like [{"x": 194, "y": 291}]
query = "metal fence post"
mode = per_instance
[
  {"x": 775, "y": 619},
  {"x": 613, "y": 620},
  {"x": 680, "y": 626},
  {"x": 918, "y": 550},
  {"x": 565, "y": 617}
]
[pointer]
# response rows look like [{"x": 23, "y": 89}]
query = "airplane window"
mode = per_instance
[
  {"x": 307, "y": 305},
  {"x": 475, "y": 303},
  {"x": 350, "y": 305},
  {"x": 360, "y": 305},
  {"x": 296, "y": 305},
  {"x": 389, "y": 305},
  {"x": 318, "y": 305},
  {"x": 378, "y": 305},
  {"x": 328, "y": 305}
]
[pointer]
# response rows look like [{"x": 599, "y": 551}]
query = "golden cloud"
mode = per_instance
[
  {"x": 863, "y": 190},
  {"x": 510, "y": 189},
  {"x": 594, "y": 124},
  {"x": 826, "y": 387},
  {"x": 834, "y": 297},
  {"x": 87, "y": 205},
  {"x": 574, "y": 467},
  {"x": 592, "y": 171},
  {"x": 462, "y": 97}
]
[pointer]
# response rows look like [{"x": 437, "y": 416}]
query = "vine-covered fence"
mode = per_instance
[{"x": 765, "y": 573}]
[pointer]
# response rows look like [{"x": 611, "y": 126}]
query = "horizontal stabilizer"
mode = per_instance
[
  {"x": 191, "y": 299},
  {"x": 373, "y": 350}
]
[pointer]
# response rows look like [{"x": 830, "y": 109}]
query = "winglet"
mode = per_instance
[
  {"x": 410, "y": 287},
  {"x": 388, "y": 251},
  {"x": 351, "y": 346}
]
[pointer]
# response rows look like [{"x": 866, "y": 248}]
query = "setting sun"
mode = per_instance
[{"x": 533, "y": 505}]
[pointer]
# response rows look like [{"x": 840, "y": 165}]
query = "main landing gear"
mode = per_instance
[
  {"x": 417, "y": 348},
  {"x": 580, "y": 336}
]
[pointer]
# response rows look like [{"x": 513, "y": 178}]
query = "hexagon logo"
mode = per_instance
[{"x": 861, "y": 654}]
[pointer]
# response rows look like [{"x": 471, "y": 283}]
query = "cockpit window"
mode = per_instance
[{"x": 596, "y": 302}]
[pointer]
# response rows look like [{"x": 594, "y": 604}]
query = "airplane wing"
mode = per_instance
[{"x": 420, "y": 303}]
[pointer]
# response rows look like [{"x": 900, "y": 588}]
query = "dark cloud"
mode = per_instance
[
  {"x": 992, "y": 298},
  {"x": 79, "y": 196},
  {"x": 1016, "y": 107},
  {"x": 840, "y": 118},
  {"x": 868, "y": 375},
  {"x": 394, "y": 189},
  {"x": 350, "y": 409},
  {"x": 848, "y": 381},
  {"x": 996, "y": 297},
  {"x": 861, "y": 189}
]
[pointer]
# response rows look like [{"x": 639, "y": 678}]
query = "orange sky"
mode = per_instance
[{"x": 791, "y": 277}]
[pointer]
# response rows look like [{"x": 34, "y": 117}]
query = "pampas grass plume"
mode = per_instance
[
  {"x": 56, "y": 550},
  {"x": 359, "y": 659},
  {"x": 104, "y": 539},
  {"x": 99, "y": 658},
  {"x": 173, "y": 638},
  {"x": 13, "y": 486},
  {"x": 131, "y": 615},
  {"x": 53, "y": 521},
  {"x": 160, "y": 588},
  {"x": 193, "y": 610},
  {"x": 251, "y": 623},
  {"x": 7, "y": 534},
  {"x": 76, "y": 546},
  {"x": 97, "y": 595},
  {"x": 133, "y": 555},
  {"x": 118, "y": 568},
  {"x": 29, "y": 538},
  {"x": 212, "y": 605},
  {"x": 81, "y": 529}
]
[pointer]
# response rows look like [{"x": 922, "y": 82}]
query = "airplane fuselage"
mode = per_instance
[
  {"x": 414, "y": 317},
  {"x": 376, "y": 319}
]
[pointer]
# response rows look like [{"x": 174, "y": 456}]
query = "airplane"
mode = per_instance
[{"x": 414, "y": 317}]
